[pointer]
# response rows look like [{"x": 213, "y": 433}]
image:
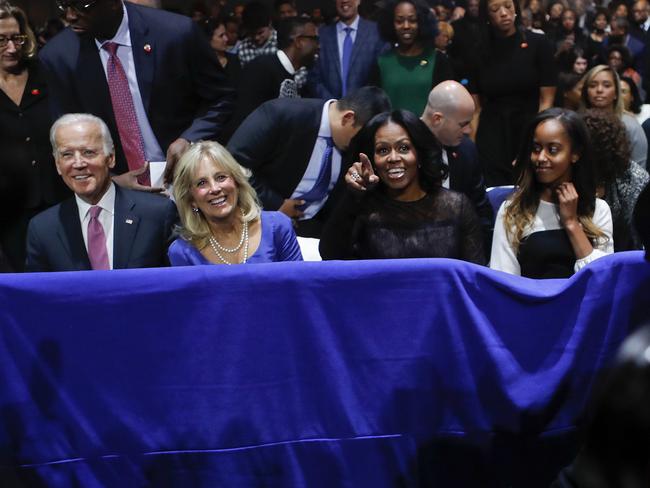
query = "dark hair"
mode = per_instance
[
  {"x": 278, "y": 3},
  {"x": 622, "y": 23},
  {"x": 256, "y": 15},
  {"x": 432, "y": 170},
  {"x": 565, "y": 83},
  {"x": 582, "y": 171},
  {"x": 610, "y": 144},
  {"x": 211, "y": 25},
  {"x": 601, "y": 11},
  {"x": 566, "y": 59},
  {"x": 615, "y": 452},
  {"x": 487, "y": 31},
  {"x": 427, "y": 24},
  {"x": 624, "y": 51},
  {"x": 552, "y": 4},
  {"x": 288, "y": 28},
  {"x": 365, "y": 102},
  {"x": 635, "y": 106}
]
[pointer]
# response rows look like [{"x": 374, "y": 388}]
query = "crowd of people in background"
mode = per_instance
[
  {"x": 380, "y": 129},
  {"x": 506, "y": 133}
]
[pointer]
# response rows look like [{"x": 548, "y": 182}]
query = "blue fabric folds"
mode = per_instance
[{"x": 395, "y": 373}]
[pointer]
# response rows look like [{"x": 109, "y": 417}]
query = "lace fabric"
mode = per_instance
[{"x": 442, "y": 224}]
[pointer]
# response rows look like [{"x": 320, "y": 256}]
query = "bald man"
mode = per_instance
[{"x": 448, "y": 114}]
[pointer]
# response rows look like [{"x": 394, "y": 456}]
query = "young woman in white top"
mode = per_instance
[{"x": 553, "y": 225}]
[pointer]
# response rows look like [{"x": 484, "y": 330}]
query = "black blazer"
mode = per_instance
[
  {"x": 466, "y": 176},
  {"x": 275, "y": 142},
  {"x": 184, "y": 89},
  {"x": 142, "y": 232},
  {"x": 260, "y": 81}
]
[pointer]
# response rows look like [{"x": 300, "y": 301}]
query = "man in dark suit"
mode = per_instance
[
  {"x": 448, "y": 115},
  {"x": 150, "y": 74},
  {"x": 293, "y": 147},
  {"x": 273, "y": 75},
  {"x": 620, "y": 34},
  {"x": 350, "y": 46},
  {"x": 640, "y": 21},
  {"x": 103, "y": 226}
]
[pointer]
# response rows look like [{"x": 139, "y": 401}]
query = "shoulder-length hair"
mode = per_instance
[
  {"x": 8, "y": 11},
  {"x": 635, "y": 106},
  {"x": 195, "y": 226},
  {"x": 591, "y": 74},
  {"x": 432, "y": 170},
  {"x": 520, "y": 213},
  {"x": 427, "y": 25}
]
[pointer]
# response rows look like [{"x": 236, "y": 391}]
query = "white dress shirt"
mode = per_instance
[
  {"x": 313, "y": 168},
  {"x": 340, "y": 35},
  {"x": 285, "y": 62},
  {"x": 122, "y": 37},
  {"x": 445, "y": 159},
  {"x": 106, "y": 216}
]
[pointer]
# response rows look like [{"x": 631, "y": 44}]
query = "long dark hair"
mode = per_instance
[
  {"x": 521, "y": 211},
  {"x": 432, "y": 170}
]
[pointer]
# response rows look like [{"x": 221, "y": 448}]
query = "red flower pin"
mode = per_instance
[
  {"x": 147, "y": 48},
  {"x": 36, "y": 91}
]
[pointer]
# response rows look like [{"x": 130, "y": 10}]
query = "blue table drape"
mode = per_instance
[{"x": 385, "y": 373}]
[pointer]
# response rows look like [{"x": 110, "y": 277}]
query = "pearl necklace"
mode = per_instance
[{"x": 214, "y": 244}]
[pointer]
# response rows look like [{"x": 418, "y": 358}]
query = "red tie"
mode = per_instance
[
  {"x": 124, "y": 111},
  {"x": 97, "y": 253}
]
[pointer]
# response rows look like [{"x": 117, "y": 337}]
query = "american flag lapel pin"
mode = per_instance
[
  {"x": 147, "y": 48},
  {"x": 129, "y": 221}
]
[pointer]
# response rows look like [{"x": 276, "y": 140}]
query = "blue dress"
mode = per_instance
[{"x": 278, "y": 243}]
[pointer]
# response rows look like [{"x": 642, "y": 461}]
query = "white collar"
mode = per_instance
[
  {"x": 107, "y": 203},
  {"x": 122, "y": 37},
  {"x": 354, "y": 25},
  {"x": 325, "y": 130},
  {"x": 285, "y": 61}
]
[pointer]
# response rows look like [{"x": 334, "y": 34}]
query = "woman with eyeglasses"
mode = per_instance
[{"x": 28, "y": 179}]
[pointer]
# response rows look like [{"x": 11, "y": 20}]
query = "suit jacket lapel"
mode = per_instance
[
  {"x": 125, "y": 227},
  {"x": 92, "y": 82},
  {"x": 144, "y": 50},
  {"x": 360, "y": 43},
  {"x": 70, "y": 235},
  {"x": 454, "y": 174},
  {"x": 332, "y": 46}
]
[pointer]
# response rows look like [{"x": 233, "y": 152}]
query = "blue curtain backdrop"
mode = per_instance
[{"x": 393, "y": 373}]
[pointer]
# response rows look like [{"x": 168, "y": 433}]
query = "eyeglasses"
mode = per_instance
[
  {"x": 313, "y": 38},
  {"x": 77, "y": 5},
  {"x": 17, "y": 39}
]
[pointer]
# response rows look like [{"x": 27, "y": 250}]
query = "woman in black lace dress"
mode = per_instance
[{"x": 396, "y": 206}]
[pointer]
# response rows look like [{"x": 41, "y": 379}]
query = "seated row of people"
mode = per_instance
[{"x": 396, "y": 205}]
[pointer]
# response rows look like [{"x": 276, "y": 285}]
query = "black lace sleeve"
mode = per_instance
[
  {"x": 336, "y": 238},
  {"x": 442, "y": 224},
  {"x": 471, "y": 234}
]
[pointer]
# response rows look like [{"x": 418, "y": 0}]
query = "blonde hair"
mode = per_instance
[
  {"x": 446, "y": 29},
  {"x": 619, "y": 105},
  {"x": 195, "y": 226},
  {"x": 8, "y": 11}
]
